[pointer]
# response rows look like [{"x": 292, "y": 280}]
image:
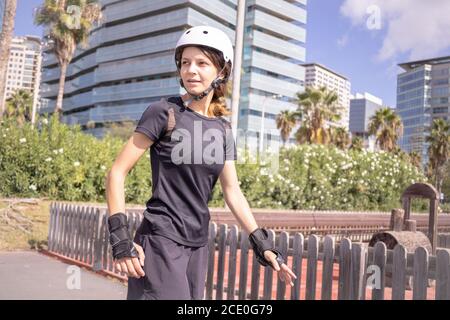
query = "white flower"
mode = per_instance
[
  {"x": 103, "y": 167},
  {"x": 292, "y": 185},
  {"x": 272, "y": 181},
  {"x": 44, "y": 121},
  {"x": 33, "y": 187},
  {"x": 55, "y": 151},
  {"x": 4, "y": 136},
  {"x": 76, "y": 163},
  {"x": 22, "y": 140},
  {"x": 48, "y": 159},
  {"x": 297, "y": 188},
  {"x": 345, "y": 199},
  {"x": 61, "y": 150}
]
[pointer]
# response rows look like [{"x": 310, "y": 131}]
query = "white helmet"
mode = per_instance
[{"x": 209, "y": 37}]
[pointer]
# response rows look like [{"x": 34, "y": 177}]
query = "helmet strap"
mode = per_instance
[{"x": 214, "y": 84}]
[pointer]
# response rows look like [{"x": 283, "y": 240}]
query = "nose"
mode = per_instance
[{"x": 192, "y": 68}]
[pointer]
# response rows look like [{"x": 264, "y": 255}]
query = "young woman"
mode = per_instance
[{"x": 191, "y": 147}]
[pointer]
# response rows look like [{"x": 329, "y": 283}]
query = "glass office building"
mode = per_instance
[
  {"x": 2, "y": 13},
  {"x": 129, "y": 62},
  {"x": 422, "y": 95}
]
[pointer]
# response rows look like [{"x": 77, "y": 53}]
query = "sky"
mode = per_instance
[{"x": 364, "y": 40}]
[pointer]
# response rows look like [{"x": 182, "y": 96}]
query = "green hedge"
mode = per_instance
[{"x": 60, "y": 162}]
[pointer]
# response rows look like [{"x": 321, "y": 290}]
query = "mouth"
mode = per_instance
[{"x": 194, "y": 81}]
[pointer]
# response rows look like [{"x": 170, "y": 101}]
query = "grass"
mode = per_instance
[{"x": 13, "y": 239}]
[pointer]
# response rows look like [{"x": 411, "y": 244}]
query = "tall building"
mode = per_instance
[
  {"x": 24, "y": 67},
  {"x": 318, "y": 76},
  {"x": 2, "y": 13},
  {"x": 274, "y": 51},
  {"x": 362, "y": 108},
  {"x": 423, "y": 91},
  {"x": 129, "y": 62}
]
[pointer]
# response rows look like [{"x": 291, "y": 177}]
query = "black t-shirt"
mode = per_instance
[{"x": 187, "y": 157}]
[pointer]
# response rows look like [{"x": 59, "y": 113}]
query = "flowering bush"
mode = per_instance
[
  {"x": 327, "y": 178},
  {"x": 61, "y": 162}
]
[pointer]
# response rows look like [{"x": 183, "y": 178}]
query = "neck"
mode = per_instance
[{"x": 200, "y": 106}]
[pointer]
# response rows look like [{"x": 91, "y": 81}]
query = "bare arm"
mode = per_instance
[
  {"x": 238, "y": 204},
  {"x": 115, "y": 181},
  {"x": 234, "y": 198}
]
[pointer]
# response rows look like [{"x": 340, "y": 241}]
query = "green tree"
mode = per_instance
[
  {"x": 285, "y": 121},
  {"x": 416, "y": 159},
  {"x": 316, "y": 107},
  {"x": 68, "y": 23},
  {"x": 439, "y": 150},
  {"x": 340, "y": 137},
  {"x": 357, "y": 143},
  {"x": 19, "y": 106},
  {"x": 5, "y": 43},
  {"x": 387, "y": 128}
]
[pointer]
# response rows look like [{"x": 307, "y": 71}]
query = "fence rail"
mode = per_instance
[{"x": 327, "y": 267}]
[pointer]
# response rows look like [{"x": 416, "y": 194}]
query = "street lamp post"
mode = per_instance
[{"x": 261, "y": 134}]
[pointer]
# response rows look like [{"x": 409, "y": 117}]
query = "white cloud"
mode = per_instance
[
  {"x": 415, "y": 27},
  {"x": 342, "y": 41}
]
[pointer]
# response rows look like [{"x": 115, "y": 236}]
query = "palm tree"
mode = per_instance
[
  {"x": 285, "y": 123},
  {"x": 19, "y": 106},
  {"x": 340, "y": 137},
  {"x": 317, "y": 107},
  {"x": 439, "y": 149},
  {"x": 416, "y": 159},
  {"x": 5, "y": 44},
  {"x": 357, "y": 143},
  {"x": 66, "y": 31},
  {"x": 387, "y": 127}
]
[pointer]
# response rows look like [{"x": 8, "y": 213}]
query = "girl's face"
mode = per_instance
[{"x": 197, "y": 70}]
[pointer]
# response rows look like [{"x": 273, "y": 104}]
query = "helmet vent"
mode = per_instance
[{"x": 205, "y": 32}]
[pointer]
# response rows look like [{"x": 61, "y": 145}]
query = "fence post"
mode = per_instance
[
  {"x": 327, "y": 267},
  {"x": 211, "y": 260},
  {"x": 297, "y": 257},
  {"x": 221, "y": 261},
  {"x": 443, "y": 274},
  {"x": 98, "y": 241},
  {"x": 399, "y": 265},
  {"x": 311, "y": 273},
  {"x": 283, "y": 247},
  {"x": 358, "y": 267},
  {"x": 420, "y": 274},
  {"x": 345, "y": 264},
  {"x": 244, "y": 244},
  {"x": 379, "y": 261},
  {"x": 232, "y": 262},
  {"x": 268, "y": 272}
]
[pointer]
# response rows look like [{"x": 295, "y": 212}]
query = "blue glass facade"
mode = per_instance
[{"x": 422, "y": 95}]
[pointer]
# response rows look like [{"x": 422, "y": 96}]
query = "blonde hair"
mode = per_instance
[{"x": 218, "y": 106}]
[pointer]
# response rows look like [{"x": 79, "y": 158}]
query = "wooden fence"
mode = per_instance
[{"x": 325, "y": 268}]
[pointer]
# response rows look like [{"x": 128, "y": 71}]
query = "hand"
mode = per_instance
[
  {"x": 132, "y": 267},
  {"x": 284, "y": 272}
]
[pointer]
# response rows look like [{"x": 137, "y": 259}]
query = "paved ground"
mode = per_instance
[{"x": 30, "y": 275}]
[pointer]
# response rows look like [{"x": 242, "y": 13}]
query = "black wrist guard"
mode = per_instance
[
  {"x": 122, "y": 245},
  {"x": 260, "y": 243}
]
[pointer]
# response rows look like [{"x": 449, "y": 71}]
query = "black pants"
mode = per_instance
[{"x": 172, "y": 271}]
